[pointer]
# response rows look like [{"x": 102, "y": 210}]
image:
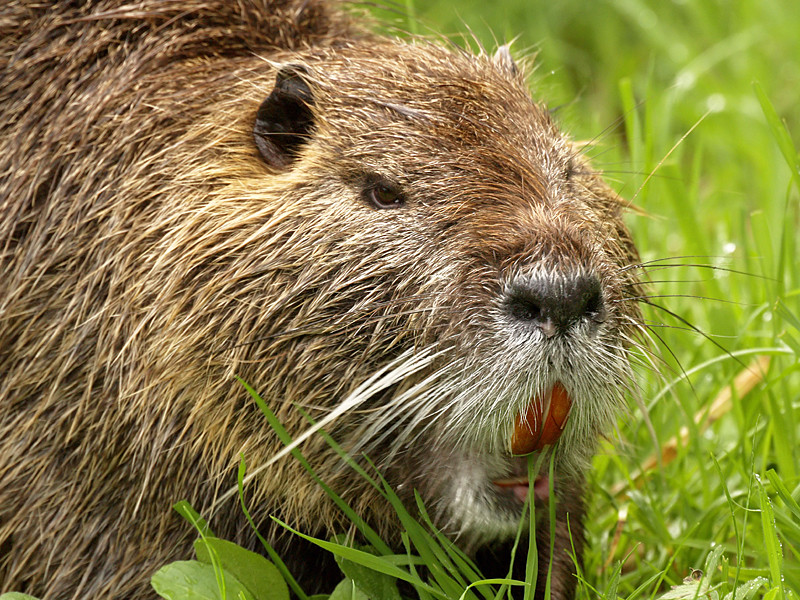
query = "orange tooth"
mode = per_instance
[{"x": 533, "y": 432}]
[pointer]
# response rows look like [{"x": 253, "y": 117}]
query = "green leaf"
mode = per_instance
[
  {"x": 780, "y": 133},
  {"x": 791, "y": 319},
  {"x": 748, "y": 589},
  {"x": 455, "y": 557},
  {"x": 791, "y": 341},
  {"x": 16, "y": 596},
  {"x": 378, "y": 586},
  {"x": 366, "y": 559},
  {"x": 784, "y": 493},
  {"x": 426, "y": 545},
  {"x": 771, "y": 542},
  {"x": 348, "y": 590},
  {"x": 276, "y": 560},
  {"x": 685, "y": 591},
  {"x": 259, "y": 576},
  {"x": 187, "y": 511},
  {"x": 611, "y": 588},
  {"x": 371, "y": 536},
  {"x": 773, "y": 594},
  {"x": 787, "y": 315},
  {"x": 712, "y": 562},
  {"x": 532, "y": 566},
  {"x": 193, "y": 580}
]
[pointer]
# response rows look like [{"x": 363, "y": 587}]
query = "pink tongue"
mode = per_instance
[
  {"x": 519, "y": 487},
  {"x": 533, "y": 430}
]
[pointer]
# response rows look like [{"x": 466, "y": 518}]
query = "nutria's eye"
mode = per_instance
[{"x": 382, "y": 194}]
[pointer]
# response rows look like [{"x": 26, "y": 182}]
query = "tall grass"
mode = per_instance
[{"x": 692, "y": 108}]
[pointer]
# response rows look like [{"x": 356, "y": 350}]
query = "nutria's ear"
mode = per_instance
[{"x": 284, "y": 120}]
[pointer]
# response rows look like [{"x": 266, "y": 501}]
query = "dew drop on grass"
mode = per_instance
[
  {"x": 685, "y": 80},
  {"x": 715, "y": 103},
  {"x": 675, "y": 241}
]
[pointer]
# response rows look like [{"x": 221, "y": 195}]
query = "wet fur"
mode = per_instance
[{"x": 149, "y": 255}]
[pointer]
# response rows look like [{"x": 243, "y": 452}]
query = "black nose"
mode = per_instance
[{"x": 554, "y": 303}]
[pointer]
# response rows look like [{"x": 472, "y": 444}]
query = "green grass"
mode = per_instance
[{"x": 636, "y": 77}]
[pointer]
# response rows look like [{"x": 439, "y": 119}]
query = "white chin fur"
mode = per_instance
[{"x": 473, "y": 509}]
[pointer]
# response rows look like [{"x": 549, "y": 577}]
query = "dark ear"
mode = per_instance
[{"x": 284, "y": 120}]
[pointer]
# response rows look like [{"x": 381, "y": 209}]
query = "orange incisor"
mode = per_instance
[{"x": 542, "y": 423}]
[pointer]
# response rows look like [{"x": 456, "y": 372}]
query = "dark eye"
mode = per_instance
[{"x": 382, "y": 194}]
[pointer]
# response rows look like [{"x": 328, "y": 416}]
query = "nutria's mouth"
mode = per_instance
[
  {"x": 540, "y": 425},
  {"x": 517, "y": 484},
  {"x": 519, "y": 487}
]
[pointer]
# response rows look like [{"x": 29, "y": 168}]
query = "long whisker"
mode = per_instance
[
  {"x": 647, "y": 297},
  {"x": 659, "y": 263},
  {"x": 693, "y": 328},
  {"x": 396, "y": 371}
]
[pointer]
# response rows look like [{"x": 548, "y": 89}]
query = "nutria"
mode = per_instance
[{"x": 198, "y": 190}]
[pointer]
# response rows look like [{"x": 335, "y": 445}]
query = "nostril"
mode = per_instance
[
  {"x": 588, "y": 296},
  {"x": 525, "y": 308},
  {"x": 555, "y": 303}
]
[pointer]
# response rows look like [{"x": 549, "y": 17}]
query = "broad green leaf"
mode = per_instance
[
  {"x": 712, "y": 562},
  {"x": 348, "y": 590},
  {"x": 193, "y": 580},
  {"x": 747, "y": 590},
  {"x": 691, "y": 588},
  {"x": 261, "y": 578},
  {"x": 378, "y": 586}
]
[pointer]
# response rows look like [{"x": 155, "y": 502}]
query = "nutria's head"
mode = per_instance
[{"x": 433, "y": 220}]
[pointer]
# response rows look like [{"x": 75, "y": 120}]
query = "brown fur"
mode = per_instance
[{"x": 148, "y": 255}]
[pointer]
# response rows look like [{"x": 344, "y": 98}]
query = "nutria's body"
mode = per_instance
[{"x": 419, "y": 213}]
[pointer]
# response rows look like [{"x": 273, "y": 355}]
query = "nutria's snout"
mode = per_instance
[{"x": 554, "y": 303}]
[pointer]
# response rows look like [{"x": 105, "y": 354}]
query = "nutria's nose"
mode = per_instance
[{"x": 554, "y": 303}]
